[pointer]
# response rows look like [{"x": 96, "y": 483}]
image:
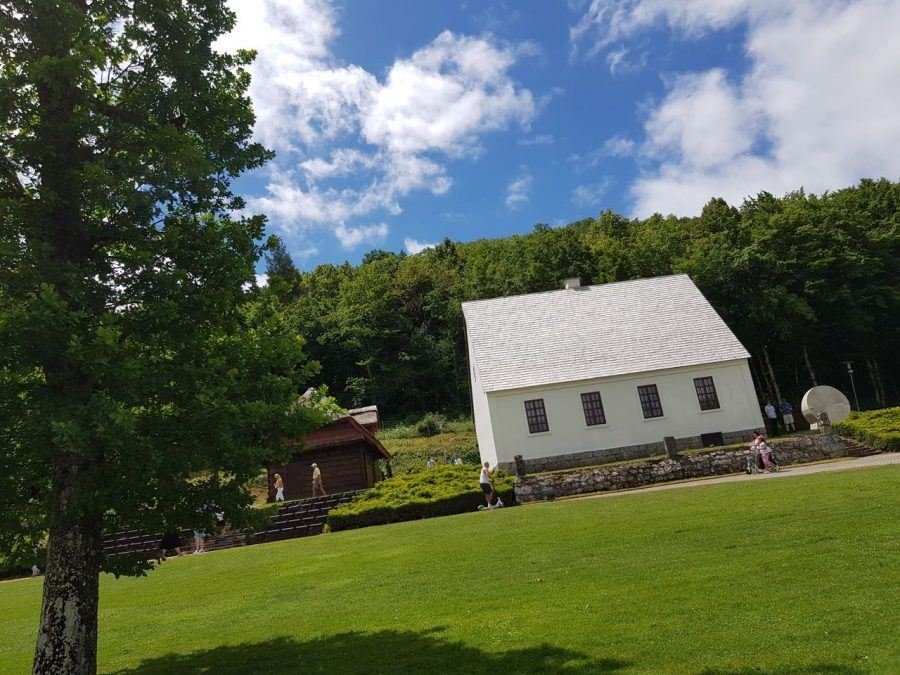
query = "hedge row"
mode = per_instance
[
  {"x": 879, "y": 429},
  {"x": 441, "y": 491}
]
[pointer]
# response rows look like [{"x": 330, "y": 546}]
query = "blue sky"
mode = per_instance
[{"x": 400, "y": 122}]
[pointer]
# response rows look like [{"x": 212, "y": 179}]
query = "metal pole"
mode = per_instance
[{"x": 852, "y": 383}]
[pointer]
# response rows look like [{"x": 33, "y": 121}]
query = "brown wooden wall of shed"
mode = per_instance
[{"x": 344, "y": 468}]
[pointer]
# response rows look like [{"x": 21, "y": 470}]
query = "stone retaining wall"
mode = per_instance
[
  {"x": 623, "y": 453},
  {"x": 794, "y": 450}
]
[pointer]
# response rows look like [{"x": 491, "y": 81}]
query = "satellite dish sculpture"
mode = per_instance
[{"x": 823, "y": 406}]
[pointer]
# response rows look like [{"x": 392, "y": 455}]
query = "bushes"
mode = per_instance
[
  {"x": 431, "y": 425},
  {"x": 441, "y": 491},
  {"x": 879, "y": 429},
  {"x": 410, "y": 454},
  {"x": 411, "y": 428},
  {"x": 414, "y": 461}
]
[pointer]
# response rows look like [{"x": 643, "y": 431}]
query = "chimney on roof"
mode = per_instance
[{"x": 573, "y": 282}]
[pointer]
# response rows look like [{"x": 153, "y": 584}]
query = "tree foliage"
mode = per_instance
[
  {"x": 140, "y": 385},
  {"x": 812, "y": 281}
]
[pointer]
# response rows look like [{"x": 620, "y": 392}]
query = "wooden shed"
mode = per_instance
[{"x": 347, "y": 454}]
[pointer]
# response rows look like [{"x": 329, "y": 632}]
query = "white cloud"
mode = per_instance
[
  {"x": 517, "y": 190},
  {"x": 814, "y": 109},
  {"x": 351, "y": 237},
  {"x": 539, "y": 139},
  {"x": 304, "y": 253},
  {"x": 300, "y": 94},
  {"x": 607, "y": 22},
  {"x": 349, "y": 144},
  {"x": 445, "y": 96},
  {"x": 262, "y": 280},
  {"x": 703, "y": 122},
  {"x": 617, "y": 146},
  {"x": 587, "y": 196},
  {"x": 412, "y": 246}
]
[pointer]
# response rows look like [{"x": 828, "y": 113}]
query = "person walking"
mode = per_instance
[
  {"x": 771, "y": 418},
  {"x": 279, "y": 488},
  {"x": 787, "y": 415},
  {"x": 170, "y": 541},
  {"x": 487, "y": 487},
  {"x": 318, "y": 490}
]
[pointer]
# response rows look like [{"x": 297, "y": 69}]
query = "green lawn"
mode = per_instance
[{"x": 787, "y": 576}]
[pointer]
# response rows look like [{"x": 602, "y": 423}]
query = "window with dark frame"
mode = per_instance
[
  {"x": 593, "y": 408},
  {"x": 706, "y": 393},
  {"x": 536, "y": 416},
  {"x": 650, "y": 403}
]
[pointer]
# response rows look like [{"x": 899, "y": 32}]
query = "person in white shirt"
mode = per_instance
[
  {"x": 457, "y": 461},
  {"x": 487, "y": 488},
  {"x": 318, "y": 490},
  {"x": 771, "y": 418}
]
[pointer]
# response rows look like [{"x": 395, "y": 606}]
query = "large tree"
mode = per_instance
[{"x": 141, "y": 384}]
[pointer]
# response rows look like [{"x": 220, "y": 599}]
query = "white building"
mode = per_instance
[{"x": 599, "y": 373}]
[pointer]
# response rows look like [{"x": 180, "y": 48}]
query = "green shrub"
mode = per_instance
[
  {"x": 411, "y": 454},
  {"x": 441, "y": 491},
  {"x": 416, "y": 461},
  {"x": 879, "y": 429},
  {"x": 431, "y": 425},
  {"x": 409, "y": 428}
]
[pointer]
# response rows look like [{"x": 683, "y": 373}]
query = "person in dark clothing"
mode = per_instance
[{"x": 170, "y": 541}]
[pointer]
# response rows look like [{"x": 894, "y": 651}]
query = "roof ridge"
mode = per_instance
[{"x": 579, "y": 288}]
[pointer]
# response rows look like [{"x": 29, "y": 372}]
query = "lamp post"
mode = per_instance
[{"x": 852, "y": 383}]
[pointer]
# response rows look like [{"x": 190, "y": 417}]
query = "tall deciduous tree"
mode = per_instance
[{"x": 139, "y": 384}]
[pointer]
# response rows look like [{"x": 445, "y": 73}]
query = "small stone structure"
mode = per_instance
[{"x": 793, "y": 450}]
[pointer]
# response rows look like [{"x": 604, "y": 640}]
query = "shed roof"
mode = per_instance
[
  {"x": 595, "y": 331},
  {"x": 340, "y": 432}
]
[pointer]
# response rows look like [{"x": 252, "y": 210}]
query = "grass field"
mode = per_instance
[{"x": 692, "y": 580}]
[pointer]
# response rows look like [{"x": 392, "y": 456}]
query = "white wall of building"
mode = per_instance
[
  {"x": 481, "y": 412},
  {"x": 682, "y": 417}
]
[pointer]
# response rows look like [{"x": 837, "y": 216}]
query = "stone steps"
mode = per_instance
[
  {"x": 857, "y": 449},
  {"x": 301, "y": 518}
]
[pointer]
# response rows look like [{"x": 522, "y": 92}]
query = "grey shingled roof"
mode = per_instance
[
  {"x": 366, "y": 415},
  {"x": 595, "y": 331}
]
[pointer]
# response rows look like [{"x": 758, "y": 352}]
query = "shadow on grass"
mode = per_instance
[
  {"x": 823, "y": 668},
  {"x": 383, "y": 652}
]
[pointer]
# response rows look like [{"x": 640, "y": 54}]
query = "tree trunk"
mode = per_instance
[
  {"x": 809, "y": 368},
  {"x": 775, "y": 388},
  {"x": 877, "y": 384},
  {"x": 759, "y": 372},
  {"x": 67, "y": 636}
]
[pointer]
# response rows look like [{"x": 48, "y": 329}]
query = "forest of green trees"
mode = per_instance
[{"x": 806, "y": 282}]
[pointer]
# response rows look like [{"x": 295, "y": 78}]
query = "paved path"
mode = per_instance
[{"x": 843, "y": 464}]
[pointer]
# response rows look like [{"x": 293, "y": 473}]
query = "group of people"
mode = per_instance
[
  {"x": 171, "y": 541},
  {"x": 787, "y": 416},
  {"x": 318, "y": 488},
  {"x": 432, "y": 462}
]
